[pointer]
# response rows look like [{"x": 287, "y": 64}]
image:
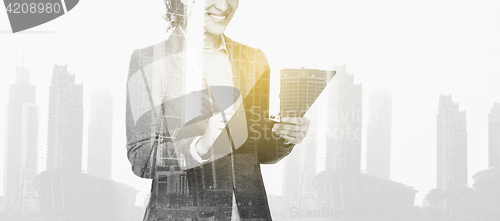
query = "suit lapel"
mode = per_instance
[{"x": 239, "y": 65}]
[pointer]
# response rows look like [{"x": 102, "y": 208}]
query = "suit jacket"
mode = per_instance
[{"x": 155, "y": 119}]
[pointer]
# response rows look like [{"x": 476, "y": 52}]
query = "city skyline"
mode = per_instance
[
  {"x": 491, "y": 109},
  {"x": 25, "y": 109}
]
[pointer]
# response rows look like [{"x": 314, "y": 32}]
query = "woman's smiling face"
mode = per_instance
[{"x": 218, "y": 14}]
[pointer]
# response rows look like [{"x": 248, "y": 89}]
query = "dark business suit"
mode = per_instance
[{"x": 188, "y": 188}]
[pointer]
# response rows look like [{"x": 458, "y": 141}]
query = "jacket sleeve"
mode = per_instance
[{"x": 139, "y": 143}]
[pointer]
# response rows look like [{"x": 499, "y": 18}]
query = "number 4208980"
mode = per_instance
[{"x": 40, "y": 8}]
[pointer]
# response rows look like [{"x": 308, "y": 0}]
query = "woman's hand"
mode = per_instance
[
  {"x": 215, "y": 135},
  {"x": 292, "y": 129},
  {"x": 214, "y": 128}
]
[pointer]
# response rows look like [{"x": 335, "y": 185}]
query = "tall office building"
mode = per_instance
[
  {"x": 345, "y": 117},
  {"x": 21, "y": 158},
  {"x": 100, "y": 134},
  {"x": 451, "y": 146},
  {"x": 378, "y": 157},
  {"x": 65, "y": 129},
  {"x": 494, "y": 136},
  {"x": 299, "y": 89}
]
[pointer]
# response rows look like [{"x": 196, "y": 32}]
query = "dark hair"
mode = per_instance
[{"x": 175, "y": 14}]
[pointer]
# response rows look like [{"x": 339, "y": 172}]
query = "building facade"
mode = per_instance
[
  {"x": 100, "y": 134},
  {"x": 378, "y": 156},
  {"x": 451, "y": 146},
  {"x": 487, "y": 188},
  {"x": 345, "y": 117},
  {"x": 21, "y": 158},
  {"x": 65, "y": 129},
  {"x": 494, "y": 136},
  {"x": 299, "y": 89}
]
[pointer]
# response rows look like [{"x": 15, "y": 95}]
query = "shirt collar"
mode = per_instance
[{"x": 222, "y": 46}]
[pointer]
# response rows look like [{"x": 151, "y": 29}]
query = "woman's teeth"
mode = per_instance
[{"x": 217, "y": 17}]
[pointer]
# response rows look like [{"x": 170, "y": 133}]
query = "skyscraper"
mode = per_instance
[
  {"x": 494, "y": 136},
  {"x": 299, "y": 89},
  {"x": 21, "y": 158},
  {"x": 345, "y": 117},
  {"x": 65, "y": 129},
  {"x": 100, "y": 134},
  {"x": 378, "y": 159},
  {"x": 451, "y": 146}
]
